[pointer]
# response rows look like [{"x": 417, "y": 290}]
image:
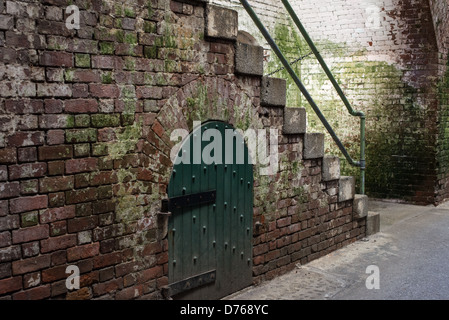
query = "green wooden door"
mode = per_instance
[{"x": 210, "y": 244}]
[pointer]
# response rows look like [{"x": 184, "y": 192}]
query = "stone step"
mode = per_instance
[
  {"x": 360, "y": 206},
  {"x": 346, "y": 188},
  {"x": 221, "y": 23},
  {"x": 295, "y": 121},
  {"x": 330, "y": 168},
  {"x": 273, "y": 92},
  {"x": 313, "y": 146},
  {"x": 372, "y": 223},
  {"x": 248, "y": 59}
]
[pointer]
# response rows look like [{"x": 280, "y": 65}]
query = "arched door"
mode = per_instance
[{"x": 211, "y": 204}]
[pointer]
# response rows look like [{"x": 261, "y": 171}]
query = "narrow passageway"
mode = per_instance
[{"x": 409, "y": 255}]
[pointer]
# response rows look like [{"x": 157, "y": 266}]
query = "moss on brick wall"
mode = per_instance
[
  {"x": 397, "y": 95},
  {"x": 443, "y": 135}
]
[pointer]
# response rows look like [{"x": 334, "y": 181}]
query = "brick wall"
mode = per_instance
[
  {"x": 440, "y": 14},
  {"x": 86, "y": 117},
  {"x": 389, "y": 57}
]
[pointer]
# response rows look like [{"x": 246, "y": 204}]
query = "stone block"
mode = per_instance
[
  {"x": 6, "y": 22},
  {"x": 295, "y": 121},
  {"x": 331, "y": 168},
  {"x": 372, "y": 223},
  {"x": 249, "y": 59},
  {"x": 313, "y": 145},
  {"x": 360, "y": 206},
  {"x": 273, "y": 92},
  {"x": 221, "y": 23},
  {"x": 346, "y": 188}
]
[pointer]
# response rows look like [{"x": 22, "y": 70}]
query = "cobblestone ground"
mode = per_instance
[
  {"x": 410, "y": 251},
  {"x": 302, "y": 283}
]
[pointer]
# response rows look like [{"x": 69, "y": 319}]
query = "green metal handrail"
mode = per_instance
[{"x": 362, "y": 163}]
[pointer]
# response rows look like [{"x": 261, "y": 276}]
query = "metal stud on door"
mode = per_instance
[{"x": 210, "y": 228}]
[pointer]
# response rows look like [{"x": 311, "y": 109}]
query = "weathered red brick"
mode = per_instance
[
  {"x": 83, "y": 252},
  {"x": 108, "y": 287},
  {"x": 16, "y": 40},
  {"x": 55, "y": 121},
  {"x": 54, "y": 184},
  {"x": 58, "y": 228},
  {"x": 104, "y": 90},
  {"x": 28, "y": 154},
  {"x": 25, "y": 204},
  {"x": 30, "y": 264},
  {"x": 81, "y": 106},
  {"x": 9, "y": 189},
  {"x": 4, "y": 209},
  {"x": 84, "y": 293},
  {"x": 55, "y": 137},
  {"x": 55, "y": 152},
  {"x": 53, "y": 27},
  {"x": 158, "y": 129},
  {"x": 152, "y": 248},
  {"x": 81, "y": 165},
  {"x": 31, "y": 280},
  {"x": 24, "y": 139},
  {"x": 129, "y": 293},
  {"x": 147, "y": 92},
  {"x": 56, "y": 59},
  {"x": 107, "y": 260},
  {"x": 103, "y": 177},
  {"x": 26, "y": 122},
  {"x": 85, "y": 76},
  {"x": 103, "y": 206},
  {"x": 9, "y": 222},
  {"x": 107, "y": 62},
  {"x": 8, "y": 155},
  {"x": 30, "y": 234},
  {"x": 127, "y": 268},
  {"x": 5, "y": 239},
  {"x": 29, "y": 187},
  {"x": 36, "y": 293},
  {"x": 283, "y": 222},
  {"x": 30, "y": 249},
  {"x": 23, "y": 106},
  {"x": 58, "y": 257},
  {"x": 152, "y": 273},
  {"x": 54, "y": 274},
  {"x": 54, "y": 90},
  {"x": 220, "y": 48},
  {"x": 3, "y": 173},
  {"x": 106, "y": 134},
  {"x": 80, "y": 90},
  {"x": 58, "y": 243},
  {"x": 55, "y": 214},
  {"x": 27, "y": 170},
  {"x": 10, "y": 285},
  {"x": 56, "y": 199},
  {"x": 9, "y": 253},
  {"x": 81, "y": 224},
  {"x": 53, "y": 106},
  {"x": 56, "y": 168}
]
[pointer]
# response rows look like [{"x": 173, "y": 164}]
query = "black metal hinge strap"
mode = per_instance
[
  {"x": 188, "y": 200},
  {"x": 191, "y": 283}
]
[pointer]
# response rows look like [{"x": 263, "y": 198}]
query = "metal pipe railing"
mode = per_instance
[{"x": 361, "y": 164}]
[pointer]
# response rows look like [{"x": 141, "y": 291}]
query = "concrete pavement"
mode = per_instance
[{"x": 410, "y": 253}]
